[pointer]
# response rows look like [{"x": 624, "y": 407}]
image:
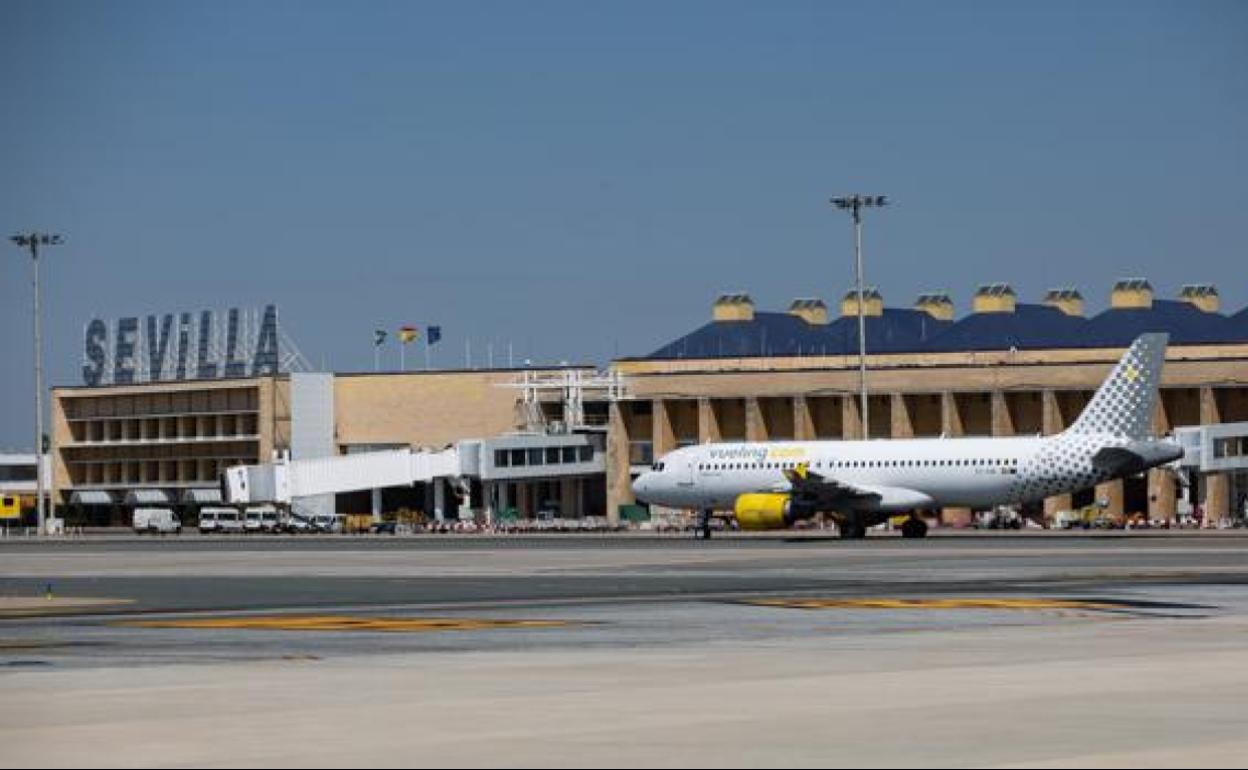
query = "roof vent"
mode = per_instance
[
  {"x": 733, "y": 307},
  {"x": 938, "y": 305},
  {"x": 1202, "y": 295},
  {"x": 1131, "y": 293},
  {"x": 811, "y": 310},
  {"x": 872, "y": 302},
  {"x": 994, "y": 298},
  {"x": 1068, "y": 300}
]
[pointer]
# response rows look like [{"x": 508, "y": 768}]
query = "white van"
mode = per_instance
[
  {"x": 261, "y": 518},
  {"x": 157, "y": 521},
  {"x": 216, "y": 519},
  {"x": 229, "y": 521},
  {"x": 270, "y": 521}
]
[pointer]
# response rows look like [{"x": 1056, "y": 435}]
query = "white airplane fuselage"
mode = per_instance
[{"x": 910, "y": 473}]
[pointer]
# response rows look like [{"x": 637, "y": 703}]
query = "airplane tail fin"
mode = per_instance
[{"x": 1125, "y": 402}]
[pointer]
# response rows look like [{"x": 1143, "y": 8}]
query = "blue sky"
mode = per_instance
[{"x": 580, "y": 179}]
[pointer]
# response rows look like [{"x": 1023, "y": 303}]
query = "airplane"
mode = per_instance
[{"x": 773, "y": 484}]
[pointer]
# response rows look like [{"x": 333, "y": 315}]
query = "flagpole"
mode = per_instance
[{"x": 427, "y": 351}]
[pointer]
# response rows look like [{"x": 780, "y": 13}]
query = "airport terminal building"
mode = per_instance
[{"x": 1005, "y": 368}]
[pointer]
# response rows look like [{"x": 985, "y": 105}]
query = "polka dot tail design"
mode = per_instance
[{"x": 1121, "y": 411}]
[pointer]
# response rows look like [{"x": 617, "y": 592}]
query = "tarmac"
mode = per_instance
[{"x": 1022, "y": 651}]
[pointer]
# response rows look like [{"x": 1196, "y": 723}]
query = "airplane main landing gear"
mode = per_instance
[
  {"x": 914, "y": 527},
  {"x": 852, "y": 528},
  {"x": 702, "y": 530}
]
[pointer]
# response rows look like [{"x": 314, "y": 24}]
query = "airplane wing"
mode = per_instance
[{"x": 821, "y": 493}]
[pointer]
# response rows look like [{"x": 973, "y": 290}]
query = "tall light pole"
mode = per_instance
[
  {"x": 33, "y": 241},
  {"x": 855, "y": 204}
]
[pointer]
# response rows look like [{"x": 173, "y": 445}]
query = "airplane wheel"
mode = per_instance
[
  {"x": 914, "y": 528},
  {"x": 853, "y": 529}
]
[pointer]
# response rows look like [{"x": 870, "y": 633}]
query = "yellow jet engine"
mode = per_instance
[{"x": 757, "y": 511}]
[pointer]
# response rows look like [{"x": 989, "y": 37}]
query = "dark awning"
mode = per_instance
[{"x": 91, "y": 497}]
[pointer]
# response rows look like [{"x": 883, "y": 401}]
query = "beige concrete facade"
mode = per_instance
[
  {"x": 997, "y": 393},
  {"x": 180, "y": 435},
  {"x": 168, "y": 435}
]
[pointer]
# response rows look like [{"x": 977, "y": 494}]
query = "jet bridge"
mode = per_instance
[{"x": 286, "y": 480}]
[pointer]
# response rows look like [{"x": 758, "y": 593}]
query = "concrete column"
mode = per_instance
[
  {"x": 708, "y": 422},
  {"x": 1161, "y": 418},
  {"x": 663, "y": 435},
  {"x": 1217, "y": 499},
  {"x": 902, "y": 422},
  {"x": 567, "y": 498},
  {"x": 950, "y": 417},
  {"x": 1111, "y": 492},
  {"x": 489, "y": 493},
  {"x": 1051, "y": 422},
  {"x": 376, "y": 504},
  {"x": 1161, "y": 494},
  {"x": 1209, "y": 412},
  {"x": 803, "y": 420},
  {"x": 619, "y": 483},
  {"x": 1002, "y": 423},
  {"x": 504, "y": 499},
  {"x": 755, "y": 426},
  {"x": 1051, "y": 414},
  {"x": 951, "y": 427},
  {"x": 524, "y": 499},
  {"x": 1217, "y": 502},
  {"x": 439, "y": 499},
  {"x": 851, "y": 418}
]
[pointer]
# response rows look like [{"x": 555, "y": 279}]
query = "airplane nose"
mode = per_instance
[{"x": 641, "y": 485}]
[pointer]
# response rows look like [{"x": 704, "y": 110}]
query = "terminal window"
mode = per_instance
[{"x": 17, "y": 472}]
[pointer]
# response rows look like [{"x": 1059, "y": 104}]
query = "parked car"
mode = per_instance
[
  {"x": 327, "y": 522},
  {"x": 157, "y": 521},
  {"x": 384, "y": 528}
]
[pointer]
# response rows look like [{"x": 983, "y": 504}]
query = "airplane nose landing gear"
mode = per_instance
[{"x": 702, "y": 530}]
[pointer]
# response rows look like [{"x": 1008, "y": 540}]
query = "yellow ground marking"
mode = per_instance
[
  {"x": 935, "y": 604},
  {"x": 343, "y": 623}
]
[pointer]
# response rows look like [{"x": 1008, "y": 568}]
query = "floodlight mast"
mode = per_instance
[
  {"x": 854, "y": 204},
  {"x": 32, "y": 241}
]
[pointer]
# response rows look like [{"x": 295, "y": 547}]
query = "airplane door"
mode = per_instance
[{"x": 685, "y": 479}]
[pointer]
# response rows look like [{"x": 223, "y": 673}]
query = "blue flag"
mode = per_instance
[{"x": 433, "y": 334}]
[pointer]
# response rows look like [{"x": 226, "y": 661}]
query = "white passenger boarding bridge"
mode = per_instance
[{"x": 287, "y": 480}]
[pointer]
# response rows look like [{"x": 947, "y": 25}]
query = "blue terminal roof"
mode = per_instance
[
  {"x": 1238, "y": 324},
  {"x": 1029, "y": 327},
  {"x": 782, "y": 334},
  {"x": 1187, "y": 324}
]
